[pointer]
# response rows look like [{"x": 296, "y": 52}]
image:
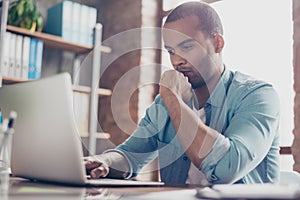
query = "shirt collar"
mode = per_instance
[{"x": 218, "y": 94}]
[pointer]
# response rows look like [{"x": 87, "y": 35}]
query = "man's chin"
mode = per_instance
[{"x": 197, "y": 84}]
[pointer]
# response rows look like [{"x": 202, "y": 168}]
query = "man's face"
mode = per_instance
[{"x": 191, "y": 51}]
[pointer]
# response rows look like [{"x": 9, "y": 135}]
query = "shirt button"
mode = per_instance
[
  {"x": 207, "y": 106},
  {"x": 185, "y": 158}
]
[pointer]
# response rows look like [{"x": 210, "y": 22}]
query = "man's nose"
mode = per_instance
[{"x": 177, "y": 60}]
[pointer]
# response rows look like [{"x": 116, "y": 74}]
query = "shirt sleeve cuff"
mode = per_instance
[
  {"x": 130, "y": 170},
  {"x": 219, "y": 149}
]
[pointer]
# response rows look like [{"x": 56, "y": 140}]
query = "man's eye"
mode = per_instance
[
  {"x": 186, "y": 47},
  {"x": 170, "y": 51}
]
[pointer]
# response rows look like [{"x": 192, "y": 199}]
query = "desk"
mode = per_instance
[{"x": 22, "y": 189}]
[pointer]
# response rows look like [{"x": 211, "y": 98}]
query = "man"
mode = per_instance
[{"x": 208, "y": 123}]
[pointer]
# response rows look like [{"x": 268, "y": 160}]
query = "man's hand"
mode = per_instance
[
  {"x": 175, "y": 82},
  {"x": 110, "y": 164},
  {"x": 96, "y": 167}
]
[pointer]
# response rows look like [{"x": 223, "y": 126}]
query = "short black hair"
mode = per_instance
[{"x": 209, "y": 20}]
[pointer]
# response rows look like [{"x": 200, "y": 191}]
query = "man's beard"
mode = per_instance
[{"x": 197, "y": 82}]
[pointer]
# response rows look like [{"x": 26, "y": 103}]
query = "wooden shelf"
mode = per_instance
[
  {"x": 57, "y": 42},
  {"x": 285, "y": 150},
  {"x": 11, "y": 80},
  {"x": 86, "y": 89},
  {"x": 99, "y": 135},
  {"x": 76, "y": 88}
]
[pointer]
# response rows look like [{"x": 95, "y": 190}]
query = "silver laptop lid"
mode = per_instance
[{"x": 46, "y": 143}]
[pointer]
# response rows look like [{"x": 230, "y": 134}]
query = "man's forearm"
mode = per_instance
[
  {"x": 196, "y": 138},
  {"x": 118, "y": 166}
]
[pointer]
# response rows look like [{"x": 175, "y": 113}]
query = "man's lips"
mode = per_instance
[{"x": 185, "y": 72}]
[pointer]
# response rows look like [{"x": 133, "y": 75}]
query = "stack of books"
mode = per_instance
[
  {"x": 73, "y": 22},
  {"x": 22, "y": 57}
]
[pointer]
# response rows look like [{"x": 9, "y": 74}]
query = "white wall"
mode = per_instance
[{"x": 258, "y": 42}]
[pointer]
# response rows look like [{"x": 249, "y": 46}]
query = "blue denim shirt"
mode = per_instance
[{"x": 245, "y": 112}]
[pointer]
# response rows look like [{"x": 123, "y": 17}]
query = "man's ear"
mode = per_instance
[{"x": 219, "y": 42}]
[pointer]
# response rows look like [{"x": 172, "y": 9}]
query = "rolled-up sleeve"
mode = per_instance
[
  {"x": 141, "y": 147},
  {"x": 247, "y": 139},
  {"x": 219, "y": 149}
]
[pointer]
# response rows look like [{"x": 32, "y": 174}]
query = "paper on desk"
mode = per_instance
[
  {"x": 187, "y": 194},
  {"x": 38, "y": 190},
  {"x": 258, "y": 191}
]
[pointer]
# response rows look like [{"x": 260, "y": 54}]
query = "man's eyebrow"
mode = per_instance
[{"x": 181, "y": 43}]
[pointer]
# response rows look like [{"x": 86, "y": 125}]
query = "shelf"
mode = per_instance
[
  {"x": 57, "y": 42},
  {"x": 99, "y": 135},
  {"x": 77, "y": 88},
  {"x": 285, "y": 150},
  {"x": 86, "y": 89},
  {"x": 11, "y": 80}
]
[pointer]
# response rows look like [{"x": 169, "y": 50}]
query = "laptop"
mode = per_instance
[{"x": 46, "y": 144}]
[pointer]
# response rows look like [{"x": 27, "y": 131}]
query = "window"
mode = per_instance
[{"x": 258, "y": 42}]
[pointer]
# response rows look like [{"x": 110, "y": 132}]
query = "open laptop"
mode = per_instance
[{"x": 46, "y": 144}]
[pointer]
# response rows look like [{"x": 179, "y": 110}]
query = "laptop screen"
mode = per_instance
[{"x": 46, "y": 144}]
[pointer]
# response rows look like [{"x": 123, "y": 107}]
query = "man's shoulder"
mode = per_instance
[
  {"x": 242, "y": 79},
  {"x": 242, "y": 85},
  {"x": 246, "y": 82}
]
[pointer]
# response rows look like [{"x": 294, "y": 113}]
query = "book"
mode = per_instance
[
  {"x": 72, "y": 21},
  {"x": 32, "y": 58},
  {"x": 18, "y": 56},
  {"x": 92, "y": 23},
  {"x": 6, "y": 55},
  {"x": 59, "y": 20},
  {"x": 39, "y": 59},
  {"x": 25, "y": 57},
  {"x": 12, "y": 55},
  {"x": 83, "y": 32},
  {"x": 75, "y": 24}
]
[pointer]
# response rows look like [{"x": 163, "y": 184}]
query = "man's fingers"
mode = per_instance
[
  {"x": 98, "y": 172},
  {"x": 91, "y": 164},
  {"x": 86, "y": 159}
]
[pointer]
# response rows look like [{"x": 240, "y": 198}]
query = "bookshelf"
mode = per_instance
[
  {"x": 4, "y": 15},
  {"x": 76, "y": 88},
  {"x": 57, "y": 42}
]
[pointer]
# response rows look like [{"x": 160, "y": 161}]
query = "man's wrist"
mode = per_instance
[
  {"x": 168, "y": 96},
  {"x": 118, "y": 164},
  {"x": 104, "y": 159}
]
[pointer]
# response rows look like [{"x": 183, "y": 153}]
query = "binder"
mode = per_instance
[
  {"x": 75, "y": 24},
  {"x": 92, "y": 23},
  {"x": 32, "y": 58},
  {"x": 25, "y": 57},
  {"x": 6, "y": 55},
  {"x": 39, "y": 59},
  {"x": 18, "y": 55},
  {"x": 12, "y": 55},
  {"x": 59, "y": 20},
  {"x": 84, "y": 27}
]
